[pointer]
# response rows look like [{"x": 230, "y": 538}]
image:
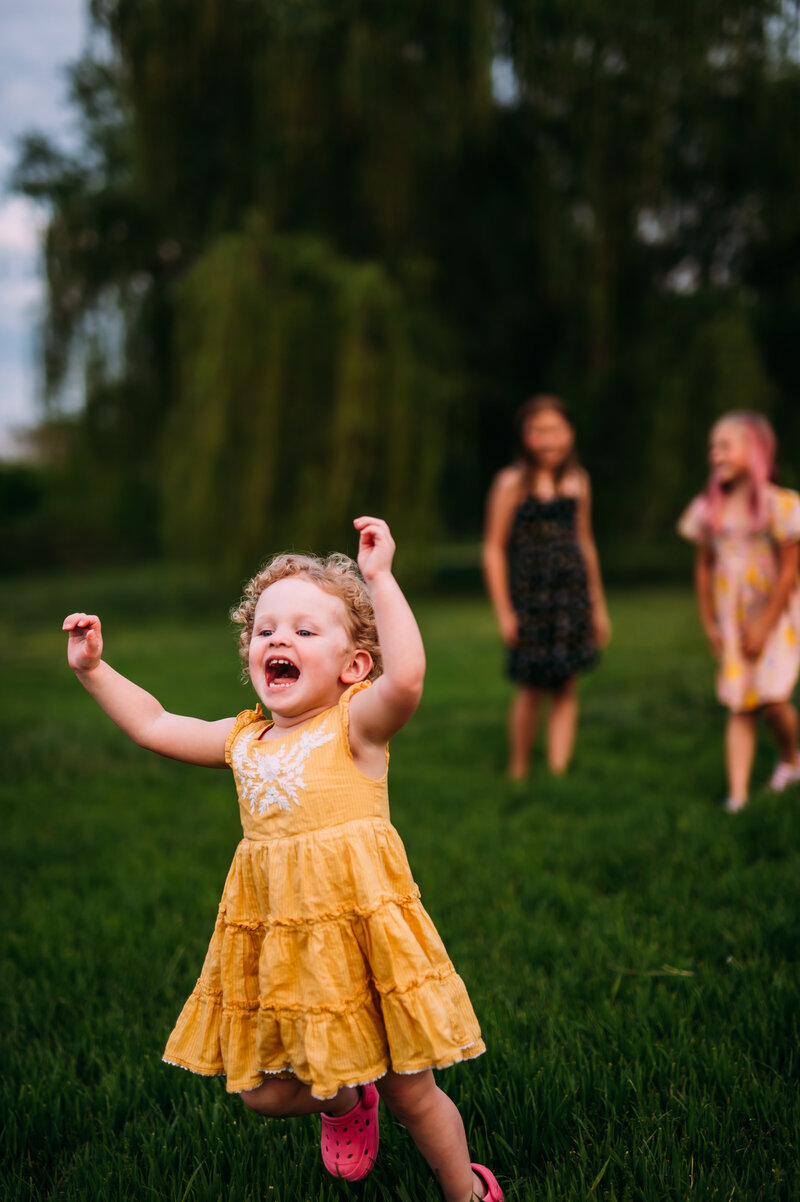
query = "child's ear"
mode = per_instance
[{"x": 359, "y": 667}]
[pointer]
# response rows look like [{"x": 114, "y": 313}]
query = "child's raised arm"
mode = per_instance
[
  {"x": 135, "y": 711},
  {"x": 379, "y": 712}
]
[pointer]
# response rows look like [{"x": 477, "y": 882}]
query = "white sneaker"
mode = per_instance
[
  {"x": 734, "y": 804},
  {"x": 785, "y": 775}
]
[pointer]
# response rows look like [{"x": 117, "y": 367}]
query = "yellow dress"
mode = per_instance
[{"x": 323, "y": 964}]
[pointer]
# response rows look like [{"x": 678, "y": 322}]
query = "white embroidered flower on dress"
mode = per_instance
[{"x": 274, "y": 778}]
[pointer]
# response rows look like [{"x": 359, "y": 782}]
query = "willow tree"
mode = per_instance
[
  {"x": 313, "y": 313},
  {"x": 250, "y": 251},
  {"x": 308, "y": 390}
]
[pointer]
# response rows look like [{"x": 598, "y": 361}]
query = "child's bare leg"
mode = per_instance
[
  {"x": 740, "y": 747},
  {"x": 436, "y": 1127},
  {"x": 781, "y": 717},
  {"x": 289, "y": 1099},
  {"x": 522, "y": 719},
  {"x": 561, "y": 727}
]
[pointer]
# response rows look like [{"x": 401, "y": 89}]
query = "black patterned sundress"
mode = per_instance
[{"x": 550, "y": 595}]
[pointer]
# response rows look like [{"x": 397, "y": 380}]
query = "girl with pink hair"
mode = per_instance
[{"x": 747, "y": 533}]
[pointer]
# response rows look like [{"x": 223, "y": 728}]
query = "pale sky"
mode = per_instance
[{"x": 37, "y": 39}]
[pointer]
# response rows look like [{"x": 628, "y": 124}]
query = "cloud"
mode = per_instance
[
  {"x": 38, "y": 38},
  {"x": 21, "y": 227},
  {"x": 37, "y": 41},
  {"x": 21, "y": 298}
]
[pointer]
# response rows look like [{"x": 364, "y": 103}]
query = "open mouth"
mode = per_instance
[{"x": 281, "y": 672}]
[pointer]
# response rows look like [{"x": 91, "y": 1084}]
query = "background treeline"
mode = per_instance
[{"x": 311, "y": 256}]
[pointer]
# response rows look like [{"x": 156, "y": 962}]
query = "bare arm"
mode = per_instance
[
  {"x": 704, "y": 590},
  {"x": 756, "y": 635},
  {"x": 133, "y": 709},
  {"x": 379, "y": 712},
  {"x": 600, "y": 618},
  {"x": 500, "y": 505}
]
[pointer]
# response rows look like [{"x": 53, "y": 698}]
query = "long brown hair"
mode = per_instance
[{"x": 542, "y": 403}]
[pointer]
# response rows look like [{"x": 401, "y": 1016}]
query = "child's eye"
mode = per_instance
[
  {"x": 265, "y": 632},
  {"x": 306, "y": 634}
]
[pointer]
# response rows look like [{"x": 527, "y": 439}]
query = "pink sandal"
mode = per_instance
[
  {"x": 493, "y": 1190},
  {"x": 350, "y": 1141}
]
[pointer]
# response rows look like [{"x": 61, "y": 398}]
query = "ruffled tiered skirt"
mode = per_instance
[{"x": 324, "y": 965}]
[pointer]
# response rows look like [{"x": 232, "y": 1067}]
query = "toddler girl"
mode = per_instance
[
  {"x": 543, "y": 577},
  {"x": 746, "y": 530},
  {"x": 325, "y": 984}
]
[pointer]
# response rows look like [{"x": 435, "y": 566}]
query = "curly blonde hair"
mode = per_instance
[{"x": 336, "y": 574}]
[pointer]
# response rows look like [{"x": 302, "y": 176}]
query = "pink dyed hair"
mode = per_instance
[{"x": 761, "y": 445}]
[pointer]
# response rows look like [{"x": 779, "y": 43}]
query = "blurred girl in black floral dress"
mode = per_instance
[{"x": 543, "y": 577}]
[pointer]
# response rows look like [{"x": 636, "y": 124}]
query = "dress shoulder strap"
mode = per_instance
[
  {"x": 344, "y": 709},
  {"x": 243, "y": 720}
]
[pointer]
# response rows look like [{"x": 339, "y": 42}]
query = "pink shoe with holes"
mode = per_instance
[
  {"x": 350, "y": 1141},
  {"x": 493, "y": 1190}
]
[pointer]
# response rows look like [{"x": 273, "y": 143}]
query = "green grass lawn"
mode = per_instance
[{"x": 631, "y": 951}]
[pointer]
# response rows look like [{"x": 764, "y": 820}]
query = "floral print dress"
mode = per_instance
[{"x": 746, "y": 565}]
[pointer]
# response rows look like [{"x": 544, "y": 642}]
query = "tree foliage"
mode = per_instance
[
  {"x": 307, "y": 391},
  {"x": 312, "y": 255}
]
